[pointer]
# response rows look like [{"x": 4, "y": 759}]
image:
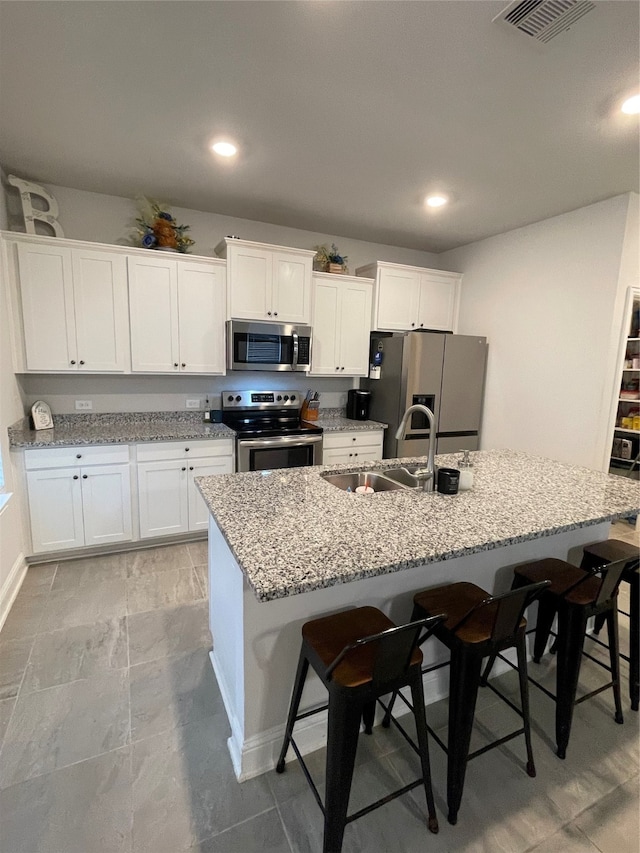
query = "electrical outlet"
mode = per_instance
[
  {"x": 193, "y": 404},
  {"x": 84, "y": 404}
]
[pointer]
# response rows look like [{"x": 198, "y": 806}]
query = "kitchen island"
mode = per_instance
[{"x": 286, "y": 546}]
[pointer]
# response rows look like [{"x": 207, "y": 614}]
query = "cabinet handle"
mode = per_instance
[
  {"x": 186, "y": 450},
  {"x": 337, "y": 368},
  {"x": 191, "y": 467},
  {"x": 413, "y": 324},
  {"x": 81, "y": 361},
  {"x": 268, "y": 313},
  {"x": 183, "y": 469},
  {"x": 275, "y": 313},
  {"x": 351, "y": 454},
  {"x": 421, "y": 325},
  {"x": 72, "y": 361},
  {"x": 175, "y": 364},
  {"x": 183, "y": 364},
  {"x": 84, "y": 476},
  {"x": 75, "y": 476},
  {"x": 78, "y": 455},
  {"x": 354, "y": 438},
  {"x": 342, "y": 368}
]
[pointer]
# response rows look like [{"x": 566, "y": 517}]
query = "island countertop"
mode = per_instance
[{"x": 292, "y": 532}]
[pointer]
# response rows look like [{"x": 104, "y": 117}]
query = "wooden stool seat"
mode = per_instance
[
  {"x": 328, "y": 636},
  {"x": 360, "y": 656},
  {"x": 457, "y": 599},
  {"x": 610, "y": 551},
  {"x": 562, "y": 576}
]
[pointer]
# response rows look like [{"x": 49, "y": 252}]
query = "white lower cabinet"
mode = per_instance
[
  {"x": 352, "y": 447},
  {"x": 76, "y": 500},
  {"x": 169, "y": 499}
]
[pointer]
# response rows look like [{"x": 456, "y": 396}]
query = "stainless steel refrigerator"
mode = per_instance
[{"x": 442, "y": 371}]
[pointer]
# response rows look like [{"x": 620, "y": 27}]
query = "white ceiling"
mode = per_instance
[{"x": 347, "y": 113}]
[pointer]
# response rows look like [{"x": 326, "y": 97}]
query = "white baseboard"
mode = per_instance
[
  {"x": 11, "y": 587},
  {"x": 258, "y": 754}
]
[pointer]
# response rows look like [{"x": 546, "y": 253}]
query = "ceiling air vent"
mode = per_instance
[{"x": 543, "y": 20}]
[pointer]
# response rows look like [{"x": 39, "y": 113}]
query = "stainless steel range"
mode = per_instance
[{"x": 269, "y": 431}]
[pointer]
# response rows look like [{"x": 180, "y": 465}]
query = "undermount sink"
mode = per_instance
[
  {"x": 374, "y": 479},
  {"x": 404, "y": 475}
]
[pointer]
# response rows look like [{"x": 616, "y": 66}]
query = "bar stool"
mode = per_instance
[
  {"x": 478, "y": 625},
  {"x": 575, "y": 595},
  {"x": 601, "y": 554},
  {"x": 359, "y": 655}
]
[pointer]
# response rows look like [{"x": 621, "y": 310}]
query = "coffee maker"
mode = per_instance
[{"x": 358, "y": 404}]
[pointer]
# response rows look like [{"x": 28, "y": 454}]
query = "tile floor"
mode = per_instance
[{"x": 114, "y": 740}]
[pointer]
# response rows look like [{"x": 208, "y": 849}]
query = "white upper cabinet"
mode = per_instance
[
  {"x": 410, "y": 298},
  {"x": 177, "y": 311},
  {"x": 341, "y": 325},
  {"x": 267, "y": 283},
  {"x": 74, "y": 308}
]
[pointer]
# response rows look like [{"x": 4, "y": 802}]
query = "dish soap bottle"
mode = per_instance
[{"x": 466, "y": 473}]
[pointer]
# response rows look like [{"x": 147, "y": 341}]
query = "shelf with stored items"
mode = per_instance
[
  {"x": 626, "y": 439},
  {"x": 408, "y": 298},
  {"x": 267, "y": 283}
]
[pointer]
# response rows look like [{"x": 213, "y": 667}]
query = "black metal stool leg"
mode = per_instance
[
  {"x": 634, "y": 639},
  {"x": 298, "y": 685},
  {"x": 599, "y": 622},
  {"x": 614, "y": 656},
  {"x": 521, "y": 648},
  {"x": 368, "y": 714},
  {"x": 487, "y": 669},
  {"x": 463, "y": 690},
  {"x": 546, "y": 615},
  {"x": 571, "y": 630},
  {"x": 417, "y": 698},
  {"x": 342, "y": 743}
]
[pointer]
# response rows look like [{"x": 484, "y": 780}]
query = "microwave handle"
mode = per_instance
[{"x": 294, "y": 363}]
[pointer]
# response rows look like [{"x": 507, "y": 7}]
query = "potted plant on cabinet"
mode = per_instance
[{"x": 329, "y": 260}]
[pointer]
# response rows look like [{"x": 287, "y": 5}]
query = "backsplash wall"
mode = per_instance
[{"x": 169, "y": 393}]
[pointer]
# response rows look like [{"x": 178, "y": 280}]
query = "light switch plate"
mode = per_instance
[
  {"x": 193, "y": 404},
  {"x": 84, "y": 404}
]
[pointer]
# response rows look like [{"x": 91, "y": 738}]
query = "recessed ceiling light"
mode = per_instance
[
  {"x": 632, "y": 105},
  {"x": 436, "y": 200},
  {"x": 224, "y": 149}
]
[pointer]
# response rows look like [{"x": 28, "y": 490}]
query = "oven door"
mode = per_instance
[{"x": 290, "y": 451}]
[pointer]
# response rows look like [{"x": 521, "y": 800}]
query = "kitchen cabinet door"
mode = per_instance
[
  {"x": 398, "y": 297},
  {"x": 198, "y": 512},
  {"x": 46, "y": 289},
  {"x": 438, "y": 296},
  {"x": 291, "y": 291},
  {"x": 355, "y": 326},
  {"x": 106, "y": 504},
  {"x": 202, "y": 314},
  {"x": 325, "y": 357},
  {"x": 162, "y": 494},
  {"x": 250, "y": 273},
  {"x": 100, "y": 300},
  {"x": 55, "y": 509},
  {"x": 153, "y": 312}
]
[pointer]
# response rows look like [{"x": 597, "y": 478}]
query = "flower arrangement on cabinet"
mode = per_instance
[
  {"x": 157, "y": 229},
  {"x": 329, "y": 260}
]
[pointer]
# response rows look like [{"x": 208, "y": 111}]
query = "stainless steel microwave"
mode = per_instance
[{"x": 268, "y": 346}]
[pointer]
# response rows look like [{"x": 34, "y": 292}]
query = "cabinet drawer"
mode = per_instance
[
  {"x": 58, "y": 457},
  {"x": 368, "y": 438},
  {"x": 163, "y": 450}
]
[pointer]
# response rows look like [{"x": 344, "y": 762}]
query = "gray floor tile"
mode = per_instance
[
  {"x": 162, "y": 589},
  {"x": 172, "y": 692},
  {"x": 14, "y": 655},
  {"x": 569, "y": 839},
  {"x": 90, "y": 570},
  {"x": 57, "y": 727},
  {"x": 38, "y": 578},
  {"x": 264, "y": 833},
  {"x": 158, "y": 560},
  {"x": 171, "y": 631},
  {"x": 85, "y": 808},
  {"x": 202, "y": 573},
  {"x": 77, "y": 653},
  {"x": 199, "y": 552},
  {"x": 25, "y": 616},
  {"x": 6, "y": 709},
  {"x": 613, "y": 823},
  {"x": 84, "y": 605},
  {"x": 185, "y": 791}
]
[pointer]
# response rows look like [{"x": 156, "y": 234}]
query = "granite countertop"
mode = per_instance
[
  {"x": 292, "y": 532},
  {"x": 121, "y": 428},
  {"x": 132, "y": 427}
]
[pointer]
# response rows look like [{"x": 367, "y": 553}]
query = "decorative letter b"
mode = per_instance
[{"x": 31, "y": 214}]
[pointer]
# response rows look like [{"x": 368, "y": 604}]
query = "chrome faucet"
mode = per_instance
[{"x": 427, "y": 477}]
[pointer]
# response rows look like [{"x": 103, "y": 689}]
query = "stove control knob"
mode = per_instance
[
  {"x": 230, "y": 398},
  {"x": 279, "y": 398},
  {"x": 286, "y": 397},
  {"x": 293, "y": 397},
  {"x": 238, "y": 398}
]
